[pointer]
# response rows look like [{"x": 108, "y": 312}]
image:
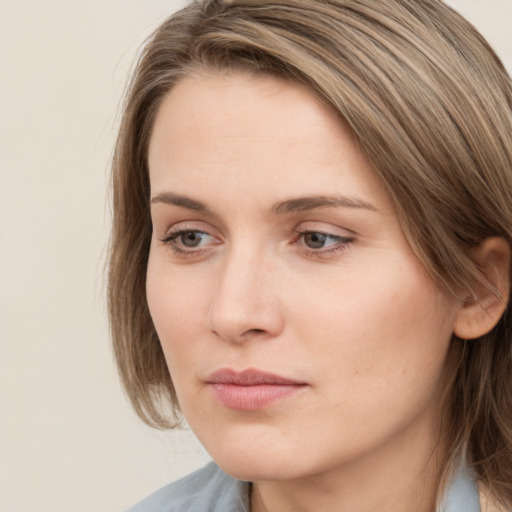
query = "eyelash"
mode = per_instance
[
  {"x": 341, "y": 243},
  {"x": 171, "y": 241}
]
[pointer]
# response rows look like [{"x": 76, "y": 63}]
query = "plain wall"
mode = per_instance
[{"x": 69, "y": 441}]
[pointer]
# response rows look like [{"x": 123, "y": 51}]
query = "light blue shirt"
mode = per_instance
[
  {"x": 462, "y": 493},
  {"x": 211, "y": 490}
]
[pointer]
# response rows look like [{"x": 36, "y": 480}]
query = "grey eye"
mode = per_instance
[
  {"x": 191, "y": 238},
  {"x": 315, "y": 240}
]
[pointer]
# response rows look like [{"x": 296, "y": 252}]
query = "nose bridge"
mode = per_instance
[{"x": 245, "y": 302}]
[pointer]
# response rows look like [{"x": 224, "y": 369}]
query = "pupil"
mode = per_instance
[
  {"x": 191, "y": 239},
  {"x": 315, "y": 240}
]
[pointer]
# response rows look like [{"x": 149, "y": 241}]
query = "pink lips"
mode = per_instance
[{"x": 251, "y": 389}]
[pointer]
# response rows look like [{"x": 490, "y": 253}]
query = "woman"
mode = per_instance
[{"x": 311, "y": 255}]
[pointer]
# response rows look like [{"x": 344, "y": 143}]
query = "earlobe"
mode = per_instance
[{"x": 487, "y": 301}]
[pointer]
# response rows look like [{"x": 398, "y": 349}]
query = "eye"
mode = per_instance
[
  {"x": 319, "y": 240},
  {"x": 319, "y": 243},
  {"x": 189, "y": 241}
]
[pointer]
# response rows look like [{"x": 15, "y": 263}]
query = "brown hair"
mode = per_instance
[{"x": 431, "y": 106}]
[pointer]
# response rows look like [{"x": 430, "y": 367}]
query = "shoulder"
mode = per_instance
[{"x": 206, "y": 490}]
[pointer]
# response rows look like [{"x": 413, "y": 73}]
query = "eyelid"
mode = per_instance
[
  {"x": 191, "y": 225},
  {"x": 332, "y": 236},
  {"x": 175, "y": 234},
  {"x": 173, "y": 239},
  {"x": 326, "y": 228},
  {"x": 342, "y": 238}
]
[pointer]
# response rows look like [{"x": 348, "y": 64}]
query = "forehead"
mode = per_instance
[
  {"x": 244, "y": 132},
  {"x": 201, "y": 103}
]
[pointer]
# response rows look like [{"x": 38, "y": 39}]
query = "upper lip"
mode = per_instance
[{"x": 249, "y": 377}]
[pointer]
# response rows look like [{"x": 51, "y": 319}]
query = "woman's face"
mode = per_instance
[{"x": 301, "y": 332}]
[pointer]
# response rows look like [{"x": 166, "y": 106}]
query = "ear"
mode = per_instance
[{"x": 487, "y": 301}]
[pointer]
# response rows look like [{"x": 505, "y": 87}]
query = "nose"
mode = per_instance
[{"x": 246, "y": 302}]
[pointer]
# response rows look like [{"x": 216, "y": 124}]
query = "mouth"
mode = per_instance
[{"x": 251, "y": 389}]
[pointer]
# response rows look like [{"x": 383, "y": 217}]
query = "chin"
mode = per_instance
[
  {"x": 260, "y": 468},
  {"x": 251, "y": 461}
]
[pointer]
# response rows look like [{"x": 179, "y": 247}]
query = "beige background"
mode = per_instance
[{"x": 68, "y": 439}]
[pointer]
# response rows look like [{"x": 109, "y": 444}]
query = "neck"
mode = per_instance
[{"x": 400, "y": 476}]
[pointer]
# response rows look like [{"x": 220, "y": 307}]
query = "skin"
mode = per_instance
[{"x": 357, "y": 319}]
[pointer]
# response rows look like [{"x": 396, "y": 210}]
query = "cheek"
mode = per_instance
[
  {"x": 178, "y": 306},
  {"x": 382, "y": 330}
]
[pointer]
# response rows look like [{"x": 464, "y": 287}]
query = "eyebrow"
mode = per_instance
[
  {"x": 290, "y": 206},
  {"x": 182, "y": 201},
  {"x": 311, "y": 203}
]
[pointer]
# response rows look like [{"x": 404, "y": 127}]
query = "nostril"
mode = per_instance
[{"x": 255, "y": 331}]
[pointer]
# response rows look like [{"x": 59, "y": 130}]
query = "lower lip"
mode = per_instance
[{"x": 250, "y": 398}]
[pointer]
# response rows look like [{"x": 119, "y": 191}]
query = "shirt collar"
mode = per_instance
[{"x": 462, "y": 492}]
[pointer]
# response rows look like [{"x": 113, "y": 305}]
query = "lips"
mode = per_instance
[{"x": 251, "y": 389}]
